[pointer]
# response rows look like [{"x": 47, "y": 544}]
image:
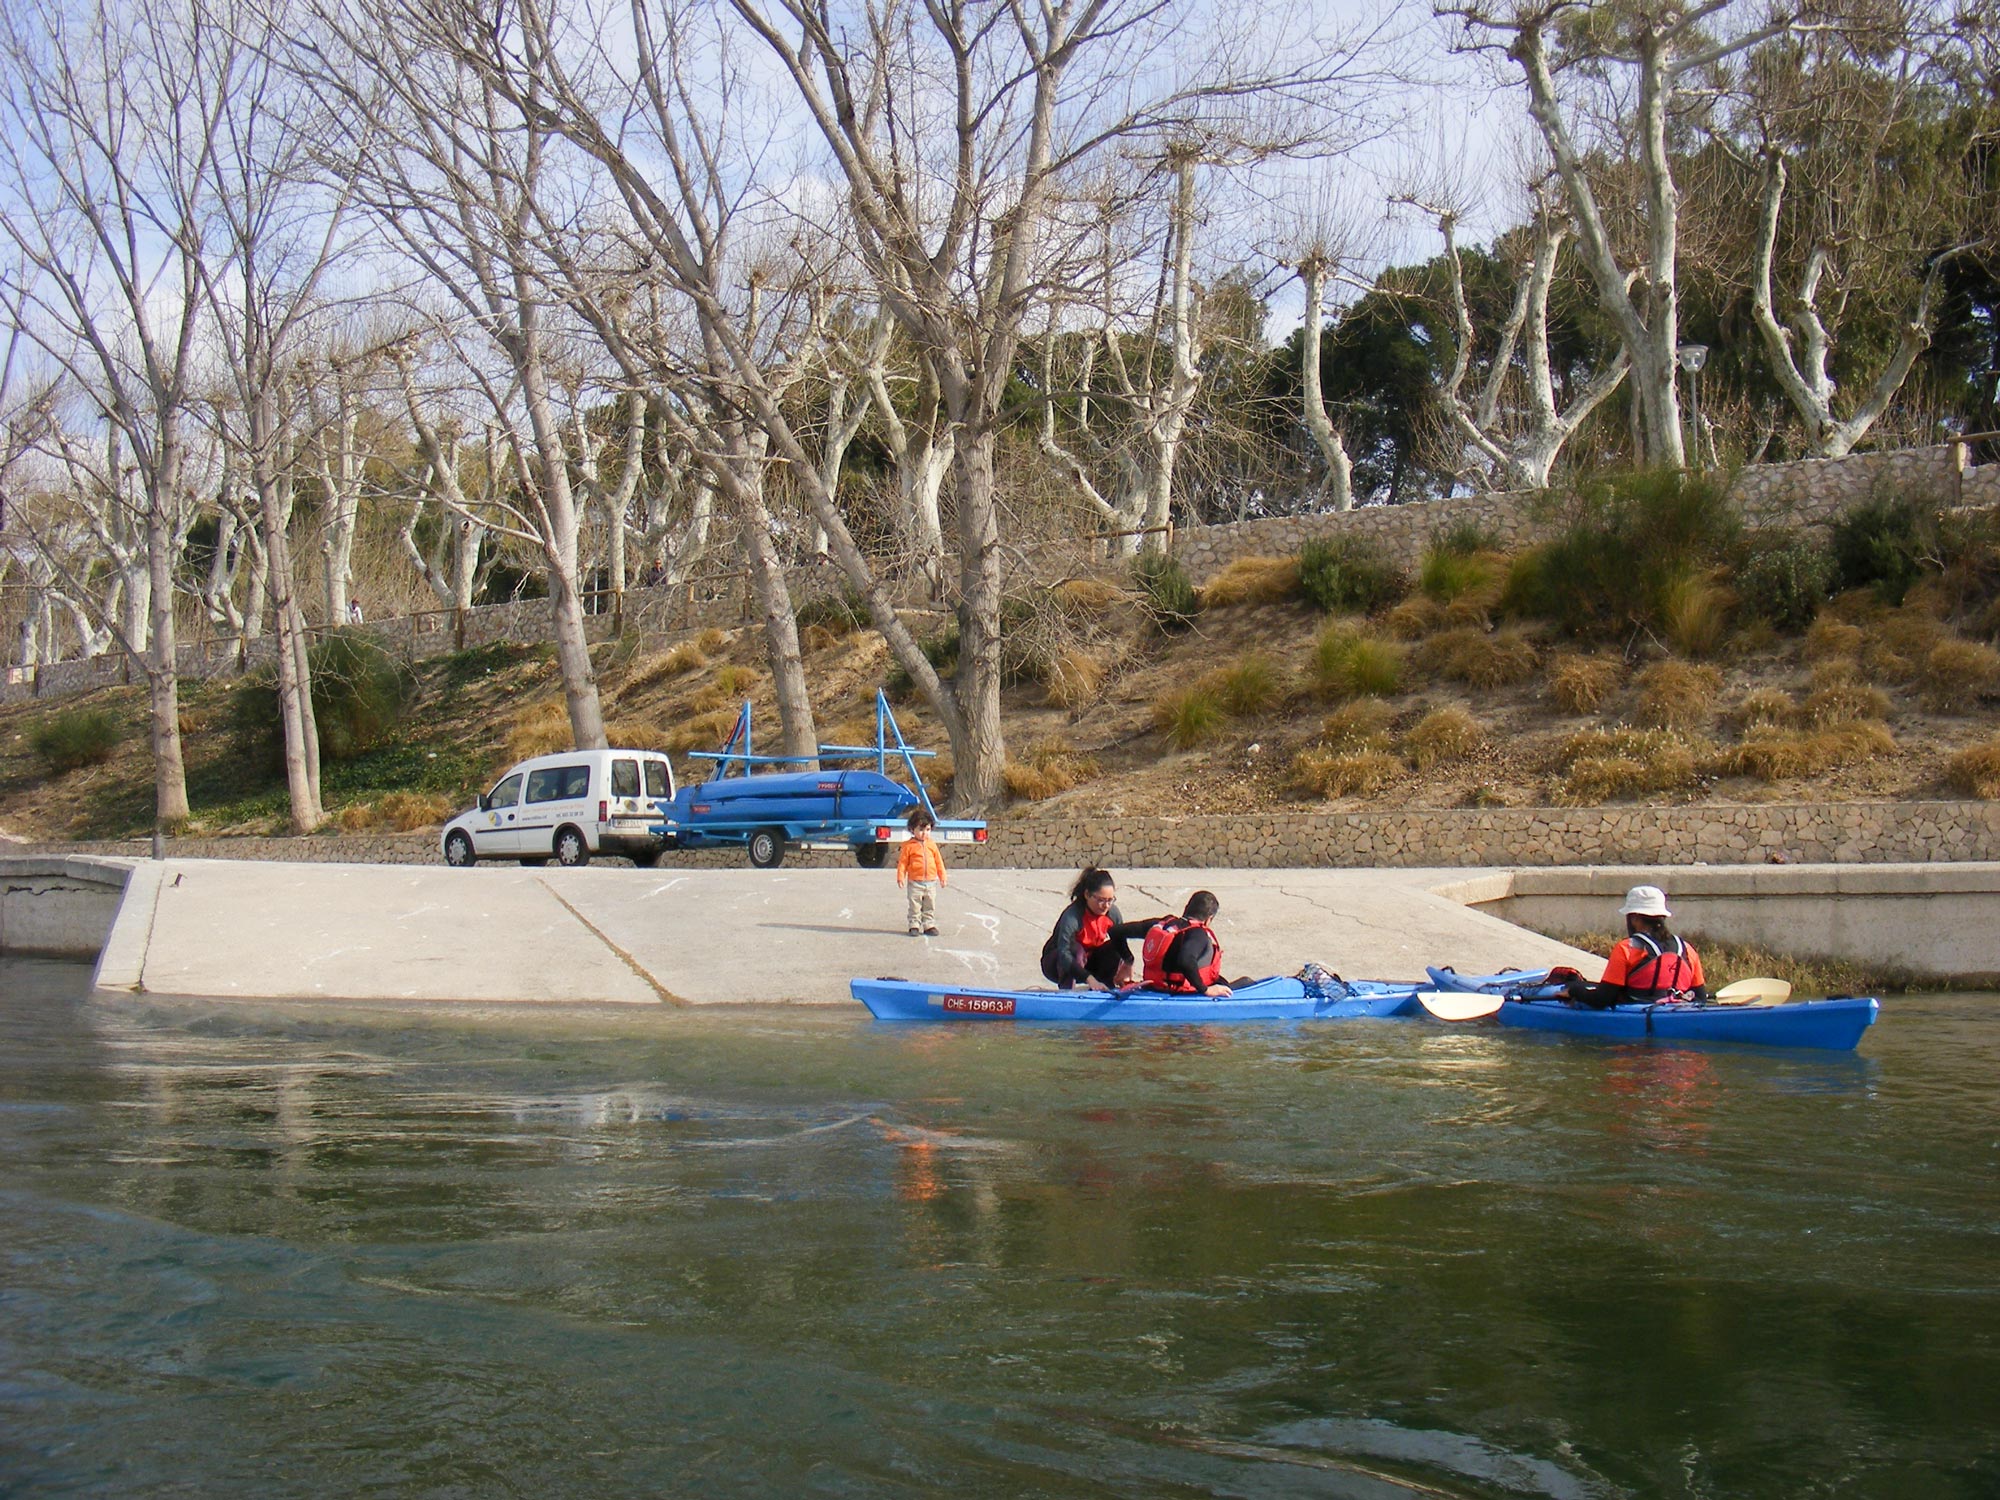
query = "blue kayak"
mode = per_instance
[
  {"x": 1284, "y": 998},
  {"x": 1532, "y": 1002}
]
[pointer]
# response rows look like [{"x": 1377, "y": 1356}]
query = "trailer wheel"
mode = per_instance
[
  {"x": 871, "y": 856},
  {"x": 767, "y": 848}
]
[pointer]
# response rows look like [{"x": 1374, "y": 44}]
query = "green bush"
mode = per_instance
[
  {"x": 76, "y": 738},
  {"x": 1169, "y": 595},
  {"x": 842, "y": 613},
  {"x": 1348, "y": 663},
  {"x": 1785, "y": 581},
  {"x": 1348, "y": 574},
  {"x": 940, "y": 650},
  {"x": 1625, "y": 541},
  {"x": 1881, "y": 544},
  {"x": 360, "y": 692}
]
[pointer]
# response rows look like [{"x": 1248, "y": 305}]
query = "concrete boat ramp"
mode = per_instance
[{"x": 402, "y": 933}]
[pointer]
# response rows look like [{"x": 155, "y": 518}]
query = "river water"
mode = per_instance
[{"x": 258, "y": 1251}]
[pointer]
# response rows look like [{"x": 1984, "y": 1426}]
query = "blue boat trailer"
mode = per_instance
[{"x": 771, "y": 812}]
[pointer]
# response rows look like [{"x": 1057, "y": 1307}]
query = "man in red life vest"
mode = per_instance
[
  {"x": 1182, "y": 955},
  {"x": 1651, "y": 965}
]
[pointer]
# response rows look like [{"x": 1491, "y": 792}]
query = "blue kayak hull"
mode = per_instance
[
  {"x": 1831, "y": 1025},
  {"x": 1277, "y": 999}
]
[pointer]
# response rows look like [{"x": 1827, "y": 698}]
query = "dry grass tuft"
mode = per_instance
[
  {"x": 1677, "y": 695},
  {"x": 1477, "y": 659},
  {"x": 1089, "y": 598},
  {"x": 1443, "y": 734},
  {"x": 631, "y": 734},
  {"x": 1190, "y": 717},
  {"x": 1829, "y": 637},
  {"x": 658, "y": 668},
  {"x": 1772, "y": 754},
  {"x": 356, "y": 817},
  {"x": 1841, "y": 702},
  {"x": 406, "y": 812},
  {"x": 539, "y": 729},
  {"x": 1072, "y": 679},
  {"x": 1603, "y": 765},
  {"x": 1358, "y": 724},
  {"x": 1956, "y": 675},
  {"x": 702, "y": 731},
  {"x": 1581, "y": 684},
  {"x": 1049, "y": 769},
  {"x": 1899, "y": 639},
  {"x": 1414, "y": 618},
  {"x": 1348, "y": 662},
  {"x": 1694, "y": 613},
  {"x": 1344, "y": 773},
  {"x": 1248, "y": 685},
  {"x": 1252, "y": 580},
  {"x": 712, "y": 640},
  {"x": 1766, "y": 705},
  {"x": 1975, "y": 771},
  {"x": 817, "y": 638}
]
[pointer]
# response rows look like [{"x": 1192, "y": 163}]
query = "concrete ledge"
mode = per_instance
[{"x": 61, "y": 906}]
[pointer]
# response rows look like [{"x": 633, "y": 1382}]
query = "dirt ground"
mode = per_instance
[{"x": 456, "y": 738}]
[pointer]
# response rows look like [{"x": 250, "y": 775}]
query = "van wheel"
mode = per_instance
[
  {"x": 458, "y": 851},
  {"x": 871, "y": 856},
  {"x": 767, "y": 848},
  {"x": 571, "y": 850}
]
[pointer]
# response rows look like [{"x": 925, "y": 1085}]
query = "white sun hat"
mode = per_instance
[{"x": 1645, "y": 901}]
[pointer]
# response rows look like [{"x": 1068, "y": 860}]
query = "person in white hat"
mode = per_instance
[{"x": 1651, "y": 966}]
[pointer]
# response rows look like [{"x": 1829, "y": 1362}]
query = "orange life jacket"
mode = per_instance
[
  {"x": 1663, "y": 973},
  {"x": 1153, "y": 956}
]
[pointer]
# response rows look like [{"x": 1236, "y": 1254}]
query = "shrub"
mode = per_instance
[
  {"x": 1344, "y": 773},
  {"x": 1694, "y": 613},
  {"x": 1350, "y": 663},
  {"x": 1448, "y": 576},
  {"x": 356, "y": 817},
  {"x": 1088, "y": 598},
  {"x": 1360, "y": 724},
  {"x": 940, "y": 650},
  {"x": 712, "y": 640},
  {"x": 359, "y": 694},
  {"x": 1767, "y": 705},
  {"x": 1190, "y": 717},
  {"x": 75, "y": 738},
  {"x": 1414, "y": 618},
  {"x": 836, "y": 614},
  {"x": 676, "y": 662},
  {"x": 816, "y": 638},
  {"x": 1479, "y": 659},
  {"x": 1830, "y": 638},
  {"x": 1601, "y": 572},
  {"x": 1443, "y": 734},
  {"x": 1599, "y": 764},
  {"x": 1975, "y": 771},
  {"x": 1880, "y": 544},
  {"x": 1957, "y": 674},
  {"x": 1050, "y": 768},
  {"x": 539, "y": 729},
  {"x": 1842, "y": 702},
  {"x": 1170, "y": 599},
  {"x": 1774, "y": 754},
  {"x": 1581, "y": 684},
  {"x": 1072, "y": 680},
  {"x": 408, "y": 811},
  {"x": 1252, "y": 580},
  {"x": 630, "y": 734},
  {"x": 1785, "y": 581},
  {"x": 1248, "y": 686},
  {"x": 1348, "y": 574},
  {"x": 1677, "y": 695},
  {"x": 703, "y": 731}
]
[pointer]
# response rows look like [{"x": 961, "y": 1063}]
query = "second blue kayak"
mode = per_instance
[
  {"x": 1834, "y": 1025},
  {"x": 1281, "y": 998}
]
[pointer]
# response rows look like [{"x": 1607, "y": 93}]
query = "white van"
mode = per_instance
[{"x": 566, "y": 807}]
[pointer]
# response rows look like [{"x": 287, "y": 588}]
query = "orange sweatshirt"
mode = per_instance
[{"x": 920, "y": 859}]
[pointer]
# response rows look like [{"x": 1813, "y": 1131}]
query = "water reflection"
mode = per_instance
[{"x": 790, "y": 1253}]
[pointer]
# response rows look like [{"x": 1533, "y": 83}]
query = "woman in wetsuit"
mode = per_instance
[{"x": 1092, "y": 942}]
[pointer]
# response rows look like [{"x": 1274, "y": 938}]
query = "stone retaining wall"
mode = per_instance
[{"x": 1795, "y": 833}]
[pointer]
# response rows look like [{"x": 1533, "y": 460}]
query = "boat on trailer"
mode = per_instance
[
  {"x": 1312, "y": 995},
  {"x": 1531, "y": 1001}
]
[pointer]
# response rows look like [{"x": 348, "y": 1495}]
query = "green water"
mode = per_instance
[{"x": 259, "y": 1252}]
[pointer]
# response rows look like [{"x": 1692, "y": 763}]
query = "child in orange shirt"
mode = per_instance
[{"x": 920, "y": 870}]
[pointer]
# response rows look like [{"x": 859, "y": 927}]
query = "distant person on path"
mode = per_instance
[
  {"x": 354, "y": 611},
  {"x": 1092, "y": 940},
  {"x": 920, "y": 871},
  {"x": 1182, "y": 955},
  {"x": 1650, "y": 965}
]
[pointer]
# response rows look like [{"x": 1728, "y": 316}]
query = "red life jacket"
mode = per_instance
[
  {"x": 1153, "y": 956},
  {"x": 1663, "y": 974},
  {"x": 1093, "y": 932}
]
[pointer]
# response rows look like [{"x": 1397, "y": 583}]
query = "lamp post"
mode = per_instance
[{"x": 1691, "y": 357}]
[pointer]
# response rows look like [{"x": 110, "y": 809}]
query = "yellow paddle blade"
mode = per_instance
[
  {"x": 1754, "y": 992},
  {"x": 1451, "y": 1007}
]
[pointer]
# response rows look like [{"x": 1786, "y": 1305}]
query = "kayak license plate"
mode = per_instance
[{"x": 978, "y": 1005}]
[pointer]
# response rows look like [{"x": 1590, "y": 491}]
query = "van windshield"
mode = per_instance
[{"x": 507, "y": 793}]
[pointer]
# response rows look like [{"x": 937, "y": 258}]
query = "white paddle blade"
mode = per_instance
[
  {"x": 1450, "y": 1007},
  {"x": 1755, "y": 992}
]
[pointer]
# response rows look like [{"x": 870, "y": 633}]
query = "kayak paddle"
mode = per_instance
[
  {"x": 1454, "y": 1007},
  {"x": 1754, "y": 992}
]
